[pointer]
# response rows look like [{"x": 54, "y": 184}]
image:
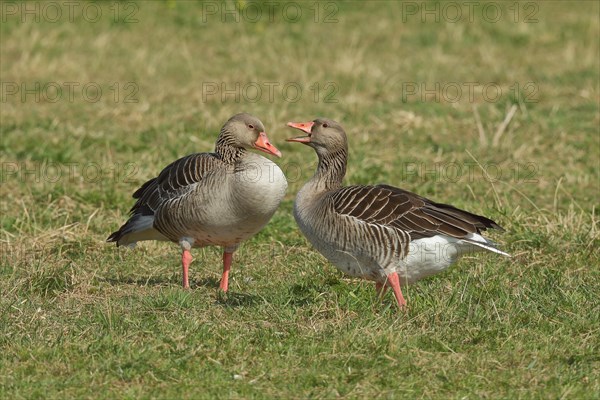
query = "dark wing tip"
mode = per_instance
[
  {"x": 496, "y": 226},
  {"x": 114, "y": 237}
]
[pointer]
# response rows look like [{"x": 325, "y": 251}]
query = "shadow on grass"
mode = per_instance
[
  {"x": 306, "y": 293},
  {"x": 229, "y": 299},
  {"x": 166, "y": 281},
  {"x": 232, "y": 299}
]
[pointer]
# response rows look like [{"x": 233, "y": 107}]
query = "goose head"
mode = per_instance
[
  {"x": 248, "y": 132},
  {"x": 324, "y": 135}
]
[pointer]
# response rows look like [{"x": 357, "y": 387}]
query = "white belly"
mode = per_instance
[
  {"x": 429, "y": 256},
  {"x": 426, "y": 257}
]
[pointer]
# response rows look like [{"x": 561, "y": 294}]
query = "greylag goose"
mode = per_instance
[
  {"x": 380, "y": 233},
  {"x": 203, "y": 199}
]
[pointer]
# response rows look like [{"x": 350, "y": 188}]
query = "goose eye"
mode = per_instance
[
  {"x": 325, "y": 125},
  {"x": 250, "y": 126}
]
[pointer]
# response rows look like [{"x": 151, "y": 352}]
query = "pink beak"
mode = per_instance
[
  {"x": 263, "y": 144},
  {"x": 303, "y": 126}
]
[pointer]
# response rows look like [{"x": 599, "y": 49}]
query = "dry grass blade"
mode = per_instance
[{"x": 502, "y": 127}]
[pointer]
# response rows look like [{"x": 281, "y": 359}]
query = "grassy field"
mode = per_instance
[{"x": 496, "y": 111}]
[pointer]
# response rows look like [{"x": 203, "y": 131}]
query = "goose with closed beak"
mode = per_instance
[
  {"x": 204, "y": 199},
  {"x": 380, "y": 233}
]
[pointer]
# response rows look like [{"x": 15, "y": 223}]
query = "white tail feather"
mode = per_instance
[
  {"x": 488, "y": 247},
  {"x": 138, "y": 229}
]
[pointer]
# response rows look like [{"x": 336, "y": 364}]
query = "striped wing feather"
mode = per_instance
[
  {"x": 175, "y": 180},
  {"x": 408, "y": 212}
]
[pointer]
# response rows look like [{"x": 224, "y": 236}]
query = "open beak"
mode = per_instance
[
  {"x": 263, "y": 144},
  {"x": 303, "y": 126}
]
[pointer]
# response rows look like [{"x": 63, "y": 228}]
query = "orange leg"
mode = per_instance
[
  {"x": 186, "y": 259},
  {"x": 394, "y": 282},
  {"x": 227, "y": 257}
]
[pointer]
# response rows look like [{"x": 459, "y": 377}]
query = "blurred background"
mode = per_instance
[{"x": 490, "y": 106}]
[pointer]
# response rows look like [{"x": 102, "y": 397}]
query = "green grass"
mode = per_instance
[{"x": 82, "y": 319}]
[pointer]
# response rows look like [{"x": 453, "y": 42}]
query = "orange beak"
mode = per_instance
[
  {"x": 303, "y": 126},
  {"x": 263, "y": 144}
]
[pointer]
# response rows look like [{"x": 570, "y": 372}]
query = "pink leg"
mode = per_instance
[
  {"x": 186, "y": 259},
  {"x": 394, "y": 282},
  {"x": 227, "y": 257},
  {"x": 380, "y": 288}
]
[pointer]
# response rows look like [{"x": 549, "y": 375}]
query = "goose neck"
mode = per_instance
[
  {"x": 331, "y": 170},
  {"x": 226, "y": 148}
]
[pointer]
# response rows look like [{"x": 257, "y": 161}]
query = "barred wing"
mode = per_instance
[
  {"x": 174, "y": 181},
  {"x": 407, "y": 212}
]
